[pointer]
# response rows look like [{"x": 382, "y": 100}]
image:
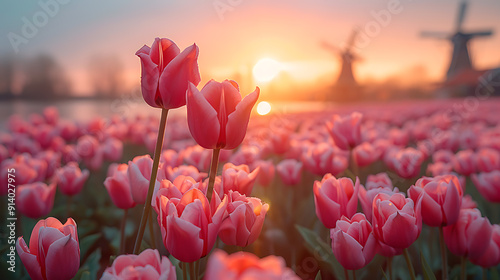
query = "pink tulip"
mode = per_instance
[
  {"x": 468, "y": 202},
  {"x": 323, "y": 158},
  {"x": 118, "y": 186},
  {"x": 353, "y": 243},
  {"x": 243, "y": 265},
  {"x": 244, "y": 223},
  {"x": 465, "y": 162},
  {"x": 439, "y": 168},
  {"x": 177, "y": 188},
  {"x": 491, "y": 257},
  {"x": 335, "y": 198},
  {"x": 346, "y": 131},
  {"x": 445, "y": 156},
  {"x": 488, "y": 160},
  {"x": 24, "y": 173},
  {"x": 365, "y": 154},
  {"x": 171, "y": 158},
  {"x": 166, "y": 73},
  {"x": 70, "y": 178},
  {"x": 266, "y": 171},
  {"x": 290, "y": 171},
  {"x": 380, "y": 180},
  {"x": 470, "y": 235},
  {"x": 169, "y": 173},
  {"x": 112, "y": 149},
  {"x": 139, "y": 173},
  {"x": 217, "y": 116},
  {"x": 52, "y": 160},
  {"x": 441, "y": 198},
  {"x": 407, "y": 162},
  {"x": 53, "y": 253},
  {"x": 396, "y": 222},
  {"x": 488, "y": 184},
  {"x": 87, "y": 146},
  {"x": 189, "y": 226},
  {"x": 197, "y": 156},
  {"x": 35, "y": 200},
  {"x": 51, "y": 115},
  {"x": 237, "y": 178},
  {"x": 148, "y": 265}
]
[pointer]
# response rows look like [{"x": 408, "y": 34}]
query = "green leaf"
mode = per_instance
[
  {"x": 320, "y": 250},
  {"x": 494, "y": 274},
  {"x": 87, "y": 242},
  {"x": 318, "y": 276},
  {"x": 383, "y": 273},
  {"x": 427, "y": 271}
]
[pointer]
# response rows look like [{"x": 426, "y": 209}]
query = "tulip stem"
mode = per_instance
[
  {"x": 152, "y": 180},
  {"x": 346, "y": 273},
  {"x": 213, "y": 172},
  {"x": 485, "y": 273},
  {"x": 191, "y": 270},
  {"x": 410, "y": 265},
  {"x": 354, "y": 274},
  {"x": 462, "y": 268},
  {"x": 151, "y": 230},
  {"x": 184, "y": 273},
  {"x": 444, "y": 258},
  {"x": 389, "y": 266},
  {"x": 122, "y": 231},
  {"x": 69, "y": 201}
]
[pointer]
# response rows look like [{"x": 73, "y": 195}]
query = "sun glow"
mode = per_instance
[
  {"x": 266, "y": 69},
  {"x": 263, "y": 108}
]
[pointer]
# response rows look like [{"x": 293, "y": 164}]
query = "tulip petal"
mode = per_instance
[
  {"x": 183, "y": 240},
  {"x": 400, "y": 230},
  {"x": 202, "y": 118},
  {"x": 175, "y": 78},
  {"x": 63, "y": 259},
  {"x": 149, "y": 80},
  {"x": 29, "y": 260},
  {"x": 237, "y": 122},
  {"x": 347, "y": 251}
]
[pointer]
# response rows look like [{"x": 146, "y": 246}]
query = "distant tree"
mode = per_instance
[
  {"x": 106, "y": 75},
  {"x": 6, "y": 76},
  {"x": 44, "y": 78}
]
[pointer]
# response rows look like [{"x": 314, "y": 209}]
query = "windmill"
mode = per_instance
[
  {"x": 347, "y": 56},
  {"x": 460, "y": 58}
]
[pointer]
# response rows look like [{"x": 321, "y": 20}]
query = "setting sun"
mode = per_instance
[
  {"x": 266, "y": 69},
  {"x": 263, "y": 108}
]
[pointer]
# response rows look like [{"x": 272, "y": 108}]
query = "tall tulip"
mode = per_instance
[
  {"x": 488, "y": 185},
  {"x": 53, "y": 253},
  {"x": 166, "y": 73},
  {"x": 70, "y": 178}
]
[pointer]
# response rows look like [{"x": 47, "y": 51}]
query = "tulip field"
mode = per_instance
[{"x": 397, "y": 190}]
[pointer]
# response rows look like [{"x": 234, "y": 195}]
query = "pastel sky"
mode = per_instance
[{"x": 234, "y": 34}]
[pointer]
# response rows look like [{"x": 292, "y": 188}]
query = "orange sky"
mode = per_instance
[{"x": 290, "y": 32}]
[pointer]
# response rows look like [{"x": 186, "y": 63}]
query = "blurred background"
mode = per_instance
[{"x": 294, "y": 50}]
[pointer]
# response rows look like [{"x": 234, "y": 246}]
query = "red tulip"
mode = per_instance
[
  {"x": 353, "y": 243},
  {"x": 217, "y": 116},
  {"x": 245, "y": 220},
  {"x": 470, "y": 235},
  {"x": 375, "y": 184},
  {"x": 243, "y": 265},
  {"x": 346, "y": 131},
  {"x": 118, "y": 186},
  {"x": 441, "y": 198},
  {"x": 70, "y": 178},
  {"x": 188, "y": 225},
  {"x": 53, "y": 253},
  {"x": 323, "y": 158},
  {"x": 488, "y": 184},
  {"x": 491, "y": 257},
  {"x": 290, "y": 171},
  {"x": 395, "y": 220},
  {"x": 148, "y": 265},
  {"x": 166, "y": 73},
  {"x": 35, "y": 200},
  {"x": 335, "y": 198},
  {"x": 407, "y": 162}
]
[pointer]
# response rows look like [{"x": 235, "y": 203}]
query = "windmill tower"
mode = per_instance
[
  {"x": 347, "y": 56},
  {"x": 460, "y": 58}
]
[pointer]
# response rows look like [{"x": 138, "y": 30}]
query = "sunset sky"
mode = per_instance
[{"x": 233, "y": 35}]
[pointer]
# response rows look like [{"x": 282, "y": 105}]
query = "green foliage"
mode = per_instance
[{"x": 426, "y": 269}]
